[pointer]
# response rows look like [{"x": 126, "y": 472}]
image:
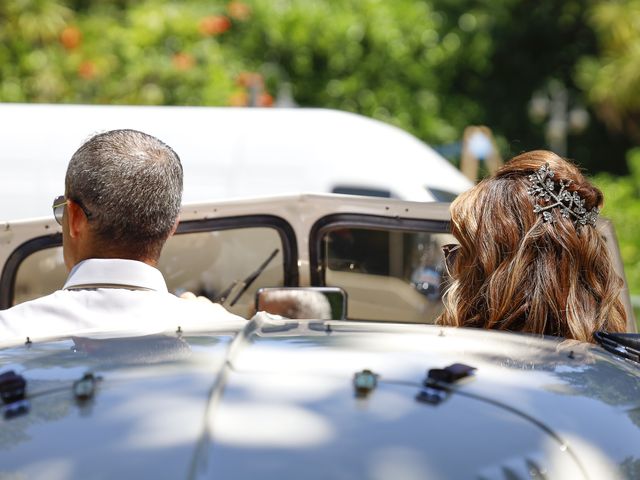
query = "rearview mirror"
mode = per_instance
[{"x": 313, "y": 303}]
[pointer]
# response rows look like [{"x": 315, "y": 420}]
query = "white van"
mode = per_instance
[{"x": 226, "y": 153}]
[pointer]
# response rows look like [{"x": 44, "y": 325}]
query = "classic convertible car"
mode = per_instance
[{"x": 377, "y": 391}]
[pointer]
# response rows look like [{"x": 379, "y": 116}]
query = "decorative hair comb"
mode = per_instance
[{"x": 570, "y": 204}]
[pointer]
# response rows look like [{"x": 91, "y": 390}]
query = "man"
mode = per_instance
[{"x": 123, "y": 191}]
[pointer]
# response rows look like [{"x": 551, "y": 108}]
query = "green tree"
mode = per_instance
[
  {"x": 147, "y": 52},
  {"x": 611, "y": 79},
  {"x": 622, "y": 206},
  {"x": 431, "y": 67},
  {"x": 395, "y": 61}
]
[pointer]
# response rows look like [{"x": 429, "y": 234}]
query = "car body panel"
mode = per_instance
[
  {"x": 277, "y": 400},
  {"x": 148, "y": 416}
]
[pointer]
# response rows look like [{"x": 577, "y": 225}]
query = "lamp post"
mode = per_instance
[
  {"x": 478, "y": 145},
  {"x": 552, "y": 104}
]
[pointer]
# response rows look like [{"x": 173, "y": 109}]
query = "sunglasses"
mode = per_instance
[
  {"x": 450, "y": 251},
  {"x": 58, "y": 208}
]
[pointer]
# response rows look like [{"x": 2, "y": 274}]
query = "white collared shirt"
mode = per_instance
[{"x": 108, "y": 295}]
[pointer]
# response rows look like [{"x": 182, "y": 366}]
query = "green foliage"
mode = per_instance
[
  {"x": 622, "y": 206},
  {"x": 614, "y": 76},
  {"x": 150, "y": 52},
  {"x": 388, "y": 60},
  {"x": 611, "y": 79},
  {"x": 431, "y": 67},
  {"x": 396, "y": 61}
]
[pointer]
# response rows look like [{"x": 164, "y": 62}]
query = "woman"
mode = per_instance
[{"x": 530, "y": 258}]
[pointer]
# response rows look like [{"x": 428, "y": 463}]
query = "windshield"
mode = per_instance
[
  {"x": 388, "y": 275},
  {"x": 227, "y": 265}
]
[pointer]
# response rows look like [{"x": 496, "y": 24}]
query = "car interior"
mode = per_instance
[{"x": 388, "y": 274}]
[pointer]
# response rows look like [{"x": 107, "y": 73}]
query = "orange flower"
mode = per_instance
[
  {"x": 183, "y": 61},
  {"x": 247, "y": 79},
  {"x": 70, "y": 37},
  {"x": 87, "y": 70},
  {"x": 214, "y": 25},
  {"x": 238, "y": 10},
  {"x": 265, "y": 100},
  {"x": 239, "y": 99}
]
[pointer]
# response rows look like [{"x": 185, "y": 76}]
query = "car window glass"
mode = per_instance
[
  {"x": 441, "y": 195},
  {"x": 219, "y": 262},
  {"x": 388, "y": 275},
  {"x": 362, "y": 191},
  {"x": 39, "y": 274},
  {"x": 205, "y": 263}
]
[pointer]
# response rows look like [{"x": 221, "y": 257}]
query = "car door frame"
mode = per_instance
[{"x": 30, "y": 246}]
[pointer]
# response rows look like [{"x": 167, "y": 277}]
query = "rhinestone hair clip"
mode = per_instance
[{"x": 570, "y": 204}]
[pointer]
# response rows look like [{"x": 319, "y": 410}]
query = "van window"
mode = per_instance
[
  {"x": 363, "y": 191},
  {"x": 215, "y": 263},
  {"x": 441, "y": 195}
]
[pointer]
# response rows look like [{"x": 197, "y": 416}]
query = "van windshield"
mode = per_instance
[
  {"x": 362, "y": 191},
  {"x": 441, "y": 195}
]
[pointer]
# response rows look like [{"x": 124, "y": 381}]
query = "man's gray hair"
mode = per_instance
[
  {"x": 297, "y": 304},
  {"x": 131, "y": 183}
]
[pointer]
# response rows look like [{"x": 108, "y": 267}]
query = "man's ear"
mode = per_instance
[
  {"x": 175, "y": 227},
  {"x": 76, "y": 219}
]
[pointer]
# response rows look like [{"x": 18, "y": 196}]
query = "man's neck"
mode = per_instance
[{"x": 149, "y": 261}]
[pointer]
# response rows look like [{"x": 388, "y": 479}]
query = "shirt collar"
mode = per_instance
[{"x": 116, "y": 272}]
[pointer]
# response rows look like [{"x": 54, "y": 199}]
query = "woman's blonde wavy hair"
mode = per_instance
[{"x": 513, "y": 271}]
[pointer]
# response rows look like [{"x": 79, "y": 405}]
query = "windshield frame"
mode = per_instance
[{"x": 283, "y": 228}]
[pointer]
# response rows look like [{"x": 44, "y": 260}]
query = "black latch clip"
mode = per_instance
[
  {"x": 12, "y": 391},
  {"x": 436, "y": 385},
  {"x": 12, "y": 387},
  {"x": 450, "y": 374}
]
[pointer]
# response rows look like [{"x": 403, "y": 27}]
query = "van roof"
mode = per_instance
[{"x": 226, "y": 152}]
